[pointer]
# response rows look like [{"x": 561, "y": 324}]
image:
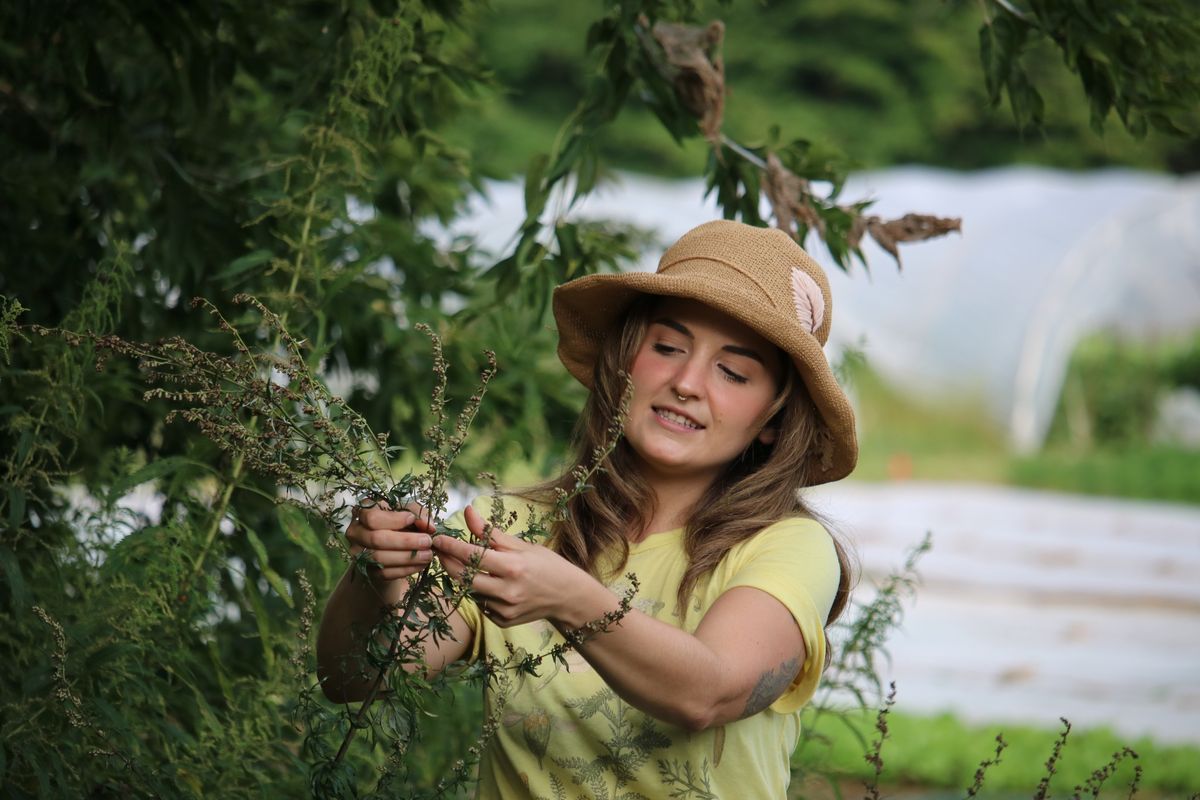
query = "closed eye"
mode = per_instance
[
  {"x": 730, "y": 375},
  {"x": 665, "y": 349}
]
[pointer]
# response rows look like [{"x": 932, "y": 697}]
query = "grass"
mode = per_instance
[
  {"x": 1154, "y": 472},
  {"x": 902, "y": 439},
  {"x": 940, "y": 754}
]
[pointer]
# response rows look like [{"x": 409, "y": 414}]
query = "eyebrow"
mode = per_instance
[{"x": 729, "y": 348}]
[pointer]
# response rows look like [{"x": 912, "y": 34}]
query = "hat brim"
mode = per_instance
[{"x": 587, "y": 309}]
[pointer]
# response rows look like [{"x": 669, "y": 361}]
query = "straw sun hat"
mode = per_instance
[{"x": 758, "y": 276}]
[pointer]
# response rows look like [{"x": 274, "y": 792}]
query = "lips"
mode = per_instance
[{"x": 677, "y": 417}]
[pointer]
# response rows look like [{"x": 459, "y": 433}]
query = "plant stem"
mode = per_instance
[
  {"x": 239, "y": 460},
  {"x": 360, "y": 717},
  {"x": 1010, "y": 8},
  {"x": 218, "y": 514},
  {"x": 743, "y": 152}
]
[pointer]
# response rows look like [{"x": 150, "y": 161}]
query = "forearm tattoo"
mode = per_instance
[{"x": 770, "y": 685}]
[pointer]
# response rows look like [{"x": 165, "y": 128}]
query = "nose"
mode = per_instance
[{"x": 688, "y": 382}]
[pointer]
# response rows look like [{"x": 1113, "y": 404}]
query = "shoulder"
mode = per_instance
[
  {"x": 794, "y": 559},
  {"x": 801, "y": 537}
]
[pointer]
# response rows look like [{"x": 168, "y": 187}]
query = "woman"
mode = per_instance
[{"x": 697, "y": 690}]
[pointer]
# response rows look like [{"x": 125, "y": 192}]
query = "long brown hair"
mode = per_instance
[{"x": 758, "y": 488}]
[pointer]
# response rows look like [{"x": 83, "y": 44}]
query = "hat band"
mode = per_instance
[{"x": 664, "y": 267}]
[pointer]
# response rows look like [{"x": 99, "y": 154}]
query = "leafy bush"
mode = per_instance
[{"x": 1113, "y": 385}]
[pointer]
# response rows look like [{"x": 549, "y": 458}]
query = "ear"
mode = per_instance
[{"x": 768, "y": 435}]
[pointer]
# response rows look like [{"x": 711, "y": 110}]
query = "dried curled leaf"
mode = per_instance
[
  {"x": 699, "y": 72},
  {"x": 909, "y": 228},
  {"x": 790, "y": 198}
]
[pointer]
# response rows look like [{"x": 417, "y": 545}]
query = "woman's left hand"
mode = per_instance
[{"x": 514, "y": 581}]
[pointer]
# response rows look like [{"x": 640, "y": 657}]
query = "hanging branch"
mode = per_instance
[{"x": 688, "y": 58}]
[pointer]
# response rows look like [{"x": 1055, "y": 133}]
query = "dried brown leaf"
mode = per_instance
[
  {"x": 790, "y": 198},
  {"x": 857, "y": 228},
  {"x": 910, "y": 228},
  {"x": 698, "y": 71}
]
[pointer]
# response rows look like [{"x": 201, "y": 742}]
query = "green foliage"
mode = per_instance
[
  {"x": 134, "y": 682},
  {"x": 884, "y": 81},
  {"x": 852, "y": 675},
  {"x": 209, "y": 139},
  {"x": 1102, "y": 439},
  {"x": 1113, "y": 386},
  {"x": 678, "y": 71},
  {"x": 1137, "y": 59},
  {"x": 952, "y": 440},
  {"x": 1148, "y": 472}
]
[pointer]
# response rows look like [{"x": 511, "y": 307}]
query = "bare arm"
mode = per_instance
[
  {"x": 400, "y": 542},
  {"x": 742, "y": 657}
]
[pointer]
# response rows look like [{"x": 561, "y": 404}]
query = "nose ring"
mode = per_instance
[{"x": 680, "y": 397}]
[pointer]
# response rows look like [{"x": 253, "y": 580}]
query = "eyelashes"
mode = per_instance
[{"x": 729, "y": 375}]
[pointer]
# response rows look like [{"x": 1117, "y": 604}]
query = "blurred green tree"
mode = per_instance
[{"x": 885, "y": 81}]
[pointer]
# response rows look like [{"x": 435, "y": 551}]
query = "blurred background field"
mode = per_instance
[{"x": 1103, "y": 439}]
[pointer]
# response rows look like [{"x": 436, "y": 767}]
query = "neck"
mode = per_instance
[{"x": 674, "y": 498}]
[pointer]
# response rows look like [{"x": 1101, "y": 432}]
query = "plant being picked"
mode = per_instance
[{"x": 274, "y": 416}]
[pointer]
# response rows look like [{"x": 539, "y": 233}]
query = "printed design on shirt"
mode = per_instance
[
  {"x": 572, "y": 661},
  {"x": 718, "y": 744},
  {"x": 632, "y": 738},
  {"x": 684, "y": 782},
  {"x": 535, "y": 730},
  {"x": 556, "y": 786},
  {"x": 649, "y": 606}
]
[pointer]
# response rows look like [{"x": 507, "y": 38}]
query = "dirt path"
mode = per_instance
[{"x": 1036, "y": 605}]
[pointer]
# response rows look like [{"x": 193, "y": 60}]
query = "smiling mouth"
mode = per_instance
[{"x": 678, "y": 419}]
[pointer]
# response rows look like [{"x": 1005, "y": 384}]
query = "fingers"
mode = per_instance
[
  {"x": 481, "y": 583},
  {"x": 395, "y": 564},
  {"x": 479, "y": 528},
  {"x": 381, "y": 517},
  {"x": 463, "y": 553},
  {"x": 398, "y": 541}
]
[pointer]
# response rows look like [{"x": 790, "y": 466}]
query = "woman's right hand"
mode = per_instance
[{"x": 399, "y": 541}]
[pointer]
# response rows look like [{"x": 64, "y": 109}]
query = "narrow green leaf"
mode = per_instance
[
  {"x": 987, "y": 60},
  {"x": 566, "y": 158},
  {"x": 264, "y": 566},
  {"x": 295, "y": 524},
  {"x": 155, "y": 469},
  {"x": 535, "y": 195},
  {"x": 262, "y": 621},
  {"x": 23, "y": 446},
  {"x": 568, "y": 245},
  {"x": 14, "y": 578},
  {"x": 16, "y": 507},
  {"x": 586, "y": 174},
  {"x": 245, "y": 264}
]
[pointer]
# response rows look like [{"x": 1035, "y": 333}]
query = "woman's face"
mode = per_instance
[{"x": 702, "y": 385}]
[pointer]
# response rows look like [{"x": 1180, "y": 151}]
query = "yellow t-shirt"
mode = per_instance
[{"x": 565, "y": 734}]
